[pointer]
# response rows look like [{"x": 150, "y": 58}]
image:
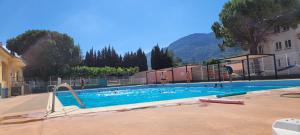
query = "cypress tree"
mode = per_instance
[
  {"x": 160, "y": 58},
  {"x": 108, "y": 56},
  {"x": 141, "y": 60}
]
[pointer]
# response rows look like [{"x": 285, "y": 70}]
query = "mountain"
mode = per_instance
[{"x": 199, "y": 47}]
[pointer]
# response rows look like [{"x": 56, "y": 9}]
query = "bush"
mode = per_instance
[{"x": 101, "y": 71}]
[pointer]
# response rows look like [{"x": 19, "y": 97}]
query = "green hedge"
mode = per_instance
[{"x": 101, "y": 71}]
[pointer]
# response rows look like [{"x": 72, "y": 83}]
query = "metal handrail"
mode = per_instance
[{"x": 72, "y": 92}]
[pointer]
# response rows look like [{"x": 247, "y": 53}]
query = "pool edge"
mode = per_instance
[{"x": 74, "y": 110}]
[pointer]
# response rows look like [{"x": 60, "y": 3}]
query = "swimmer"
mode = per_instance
[
  {"x": 230, "y": 71},
  {"x": 82, "y": 84}
]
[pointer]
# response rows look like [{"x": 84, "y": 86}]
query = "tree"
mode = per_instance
[
  {"x": 130, "y": 60},
  {"x": 23, "y": 42},
  {"x": 247, "y": 23},
  {"x": 106, "y": 57},
  {"x": 99, "y": 59},
  {"x": 46, "y": 53},
  {"x": 155, "y": 57},
  {"x": 114, "y": 58},
  {"x": 109, "y": 57},
  {"x": 176, "y": 60},
  {"x": 141, "y": 60},
  {"x": 161, "y": 58},
  {"x": 90, "y": 58},
  {"x": 211, "y": 62}
]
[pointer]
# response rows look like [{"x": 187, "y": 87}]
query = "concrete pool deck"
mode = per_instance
[
  {"x": 61, "y": 110},
  {"x": 24, "y": 104},
  {"x": 261, "y": 109}
]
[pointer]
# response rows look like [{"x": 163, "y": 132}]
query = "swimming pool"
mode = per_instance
[{"x": 103, "y": 97}]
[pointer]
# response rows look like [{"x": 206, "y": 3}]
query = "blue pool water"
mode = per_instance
[{"x": 138, "y": 94}]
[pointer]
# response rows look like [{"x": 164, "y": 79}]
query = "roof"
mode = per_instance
[
  {"x": 7, "y": 51},
  {"x": 236, "y": 66},
  {"x": 15, "y": 57},
  {"x": 244, "y": 57}
]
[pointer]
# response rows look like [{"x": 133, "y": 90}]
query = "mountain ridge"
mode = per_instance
[{"x": 198, "y": 47}]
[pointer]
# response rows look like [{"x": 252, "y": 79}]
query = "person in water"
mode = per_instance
[
  {"x": 220, "y": 85},
  {"x": 229, "y": 71},
  {"x": 74, "y": 84},
  {"x": 188, "y": 79},
  {"x": 82, "y": 84},
  {"x": 163, "y": 78}
]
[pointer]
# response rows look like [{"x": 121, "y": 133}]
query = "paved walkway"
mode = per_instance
[
  {"x": 24, "y": 104},
  {"x": 255, "y": 117},
  {"x": 32, "y": 103}
]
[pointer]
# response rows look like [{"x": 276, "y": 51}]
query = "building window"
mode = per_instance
[
  {"x": 288, "y": 61},
  {"x": 285, "y": 28},
  {"x": 252, "y": 67},
  {"x": 260, "y": 50},
  {"x": 279, "y": 63},
  {"x": 288, "y": 44},
  {"x": 277, "y": 29},
  {"x": 278, "y": 46}
]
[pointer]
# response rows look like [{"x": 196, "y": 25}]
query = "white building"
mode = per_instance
[{"x": 284, "y": 42}]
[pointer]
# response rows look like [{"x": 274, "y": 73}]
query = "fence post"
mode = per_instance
[
  {"x": 146, "y": 78},
  {"x": 248, "y": 67},
  {"x": 53, "y": 100},
  {"x": 275, "y": 66},
  {"x": 207, "y": 72},
  {"x": 201, "y": 73},
  {"x": 155, "y": 77},
  {"x": 243, "y": 66},
  {"x": 50, "y": 81},
  {"x": 219, "y": 71},
  {"x": 172, "y": 75}
]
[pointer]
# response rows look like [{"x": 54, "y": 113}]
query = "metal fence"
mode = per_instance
[
  {"x": 256, "y": 68},
  {"x": 40, "y": 86}
]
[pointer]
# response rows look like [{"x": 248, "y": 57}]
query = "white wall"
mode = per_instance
[{"x": 293, "y": 54}]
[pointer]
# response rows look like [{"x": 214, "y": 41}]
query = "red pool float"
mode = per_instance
[{"x": 222, "y": 101}]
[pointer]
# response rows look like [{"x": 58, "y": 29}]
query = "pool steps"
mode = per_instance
[{"x": 71, "y": 91}]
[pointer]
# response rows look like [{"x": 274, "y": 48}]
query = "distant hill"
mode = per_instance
[{"x": 199, "y": 47}]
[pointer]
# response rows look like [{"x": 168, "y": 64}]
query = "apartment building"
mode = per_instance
[
  {"x": 284, "y": 42},
  {"x": 11, "y": 71}
]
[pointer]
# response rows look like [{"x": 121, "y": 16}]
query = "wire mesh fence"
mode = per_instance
[
  {"x": 256, "y": 67},
  {"x": 40, "y": 86}
]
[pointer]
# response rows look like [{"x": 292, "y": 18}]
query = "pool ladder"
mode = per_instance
[{"x": 71, "y": 91}]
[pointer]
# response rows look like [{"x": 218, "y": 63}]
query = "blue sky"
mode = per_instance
[{"x": 124, "y": 24}]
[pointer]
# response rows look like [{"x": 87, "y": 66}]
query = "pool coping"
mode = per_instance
[
  {"x": 61, "y": 111},
  {"x": 183, "y": 83}
]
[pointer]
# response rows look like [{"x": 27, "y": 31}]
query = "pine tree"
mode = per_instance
[
  {"x": 86, "y": 59},
  {"x": 160, "y": 58},
  {"x": 99, "y": 59},
  {"x": 108, "y": 56},
  {"x": 155, "y": 57},
  {"x": 141, "y": 60}
]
